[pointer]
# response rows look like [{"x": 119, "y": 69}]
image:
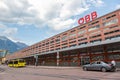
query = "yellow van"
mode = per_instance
[{"x": 17, "y": 63}]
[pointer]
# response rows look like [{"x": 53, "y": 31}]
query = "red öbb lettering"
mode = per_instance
[{"x": 87, "y": 18}]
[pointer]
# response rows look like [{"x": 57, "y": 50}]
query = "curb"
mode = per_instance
[{"x": 53, "y": 67}]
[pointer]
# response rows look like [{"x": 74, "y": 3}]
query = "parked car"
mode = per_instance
[{"x": 99, "y": 66}]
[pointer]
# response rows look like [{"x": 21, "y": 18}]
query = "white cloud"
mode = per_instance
[
  {"x": 10, "y": 31},
  {"x": 58, "y": 23},
  {"x": 118, "y": 6},
  {"x": 57, "y": 14},
  {"x": 96, "y": 3},
  {"x": 7, "y": 31}
]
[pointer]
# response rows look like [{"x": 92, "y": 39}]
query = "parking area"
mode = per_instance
[{"x": 55, "y": 73}]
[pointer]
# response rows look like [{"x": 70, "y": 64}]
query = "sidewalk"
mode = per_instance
[
  {"x": 54, "y": 67},
  {"x": 59, "y": 67}
]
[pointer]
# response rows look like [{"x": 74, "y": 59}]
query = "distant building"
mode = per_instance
[
  {"x": 3, "y": 53},
  {"x": 94, "y": 40}
]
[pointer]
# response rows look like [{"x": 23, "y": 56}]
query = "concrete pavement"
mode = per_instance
[{"x": 55, "y": 73}]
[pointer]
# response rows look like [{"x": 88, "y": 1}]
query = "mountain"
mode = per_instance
[{"x": 10, "y": 45}]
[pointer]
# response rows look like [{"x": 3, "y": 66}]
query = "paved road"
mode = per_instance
[{"x": 55, "y": 73}]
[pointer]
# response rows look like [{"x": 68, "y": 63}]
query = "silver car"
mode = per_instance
[{"x": 100, "y": 66}]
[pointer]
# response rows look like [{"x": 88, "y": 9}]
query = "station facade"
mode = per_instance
[{"x": 95, "y": 40}]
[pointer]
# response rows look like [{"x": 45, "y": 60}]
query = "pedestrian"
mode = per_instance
[{"x": 113, "y": 63}]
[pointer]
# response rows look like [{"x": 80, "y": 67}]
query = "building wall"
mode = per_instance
[{"x": 104, "y": 28}]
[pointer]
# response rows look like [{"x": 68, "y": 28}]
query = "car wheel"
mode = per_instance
[
  {"x": 85, "y": 69},
  {"x": 103, "y": 69}
]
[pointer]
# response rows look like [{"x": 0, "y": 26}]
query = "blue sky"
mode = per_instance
[{"x": 31, "y": 21}]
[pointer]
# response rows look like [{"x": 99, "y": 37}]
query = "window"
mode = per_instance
[
  {"x": 93, "y": 28},
  {"x": 15, "y": 62},
  {"x": 95, "y": 58},
  {"x": 57, "y": 48},
  {"x": 93, "y": 41},
  {"x": 73, "y": 45},
  {"x": 113, "y": 48},
  {"x": 82, "y": 39},
  {"x": 81, "y": 27},
  {"x": 72, "y": 41},
  {"x": 64, "y": 44},
  {"x": 93, "y": 23},
  {"x": 114, "y": 56},
  {"x": 114, "y": 26},
  {"x": 96, "y": 32},
  {"x": 113, "y": 37},
  {"x": 82, "y": 43},
  {"x": 51, "y": 41},
  {"x": 57, "y": 40},
  {"x": 64, "y": 47},
  {"x": 113, "y": 21},
  {"x": 81, "y": 36},
  {"x": 11, "y": 62},
  {"x": 95, "y": 36},
  {"x": 64, "y": 38},
  {"x": 97, "y": 50},
  {"x": 109, "y": 17},
  {"x": 47, "y": 43},
  {"x": 82, "y": 31},
  {"x": 71, "y": 35},
  {"x": 111, "y": 32}
]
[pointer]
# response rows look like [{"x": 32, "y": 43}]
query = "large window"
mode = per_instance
[
  {"x": 112, "y": 37},
  {"x": 113, "y": 15},
  {"x": 111, "y": 32},
  {"x": 72, "y": 35},
  {"x": 113, "y": 21},
  {"x": 64, "y": 38},
  {"x": 95, "y": 36},
  {"x": 83, "y": 43},
  {"x": 82, "y": 31},
  {"x": 82, "y": 39},
  {"x": 113, "y": 47},
  {"x": 95, "y": 41},
  {"x": 57, "y": 40},
  {"x": 95, "y": 58},
  {"x": 94, "y": 28},
  {"x": 114, "y": 56},
  {"x": 97, "y": 50}
]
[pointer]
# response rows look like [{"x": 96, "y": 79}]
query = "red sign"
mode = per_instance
[{"x": 87, "y": 18}]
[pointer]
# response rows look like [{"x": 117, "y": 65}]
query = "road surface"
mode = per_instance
[{"x": 54, "y": 73}]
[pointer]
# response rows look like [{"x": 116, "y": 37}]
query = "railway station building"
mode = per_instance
[{"x": 98, "y": 39}]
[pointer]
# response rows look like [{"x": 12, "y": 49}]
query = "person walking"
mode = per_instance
[{"x": 113, "y": 63}]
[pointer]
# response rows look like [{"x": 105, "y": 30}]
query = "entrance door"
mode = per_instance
[{"x": 85, "y": 60}]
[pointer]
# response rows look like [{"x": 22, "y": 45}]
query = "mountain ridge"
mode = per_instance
[{"x": 11, "y": 46}]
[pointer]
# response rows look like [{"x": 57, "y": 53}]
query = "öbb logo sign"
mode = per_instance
[{"x": 88, "y": 18}]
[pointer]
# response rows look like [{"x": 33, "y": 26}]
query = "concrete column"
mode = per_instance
[
  {"x": 36, "y": 60},
  {"x": 58, "y": 56}
]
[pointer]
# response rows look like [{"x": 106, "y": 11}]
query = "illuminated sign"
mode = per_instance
[{"x": 87, "y": 18}]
